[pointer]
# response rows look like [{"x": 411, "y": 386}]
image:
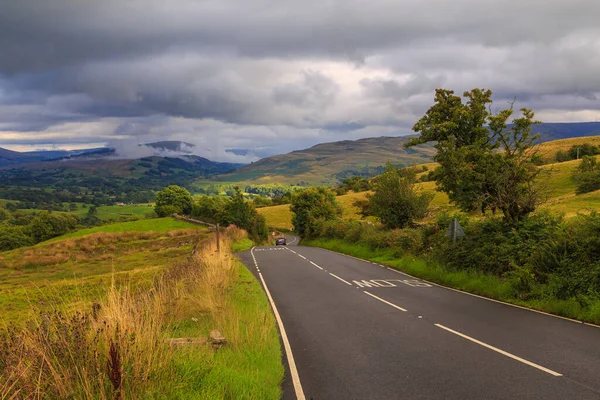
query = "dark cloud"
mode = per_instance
[{"x": 234, "y": 74}]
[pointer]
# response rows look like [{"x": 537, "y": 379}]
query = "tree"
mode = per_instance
[
  {"x": 173, "y": 200},
  {"x": 46, "y": 225},
  {"x": 395, "y": 202},
  {"x": 14, "y": 237},
  {"x": 209, "y": 208},
  {"x": 240, "y": 212},
  {"x": 311, "y": 206},
  {"x": 484, "y": 163},
  {"x": 5, "y": 215},
  {"x": 587, "y": 175}
]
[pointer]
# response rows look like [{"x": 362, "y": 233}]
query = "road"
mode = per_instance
[{"x": 358, "y": 330}]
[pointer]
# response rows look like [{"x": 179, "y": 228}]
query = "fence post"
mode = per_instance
[{"x": 218, "y": 239}]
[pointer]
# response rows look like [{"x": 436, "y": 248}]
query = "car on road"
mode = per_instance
[{"x": 280, "y": 242}]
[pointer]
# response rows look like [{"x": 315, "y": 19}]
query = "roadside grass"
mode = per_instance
[
  {"x": 119, "y": 346},
  {"x": 242, "y": 245},
  {"x": 471, "y": 281}
]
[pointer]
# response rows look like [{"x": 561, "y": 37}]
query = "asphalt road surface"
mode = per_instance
[{"x": 358, "y": 330}]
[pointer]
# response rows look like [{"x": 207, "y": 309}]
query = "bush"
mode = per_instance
[
  {"x": 173, "y": 200},
  {"x": 395, "y": 202},
  {"x": 312, "y": 206},
  {"x": 46, "y": 226},
  {"x": 13, "y": 238}
]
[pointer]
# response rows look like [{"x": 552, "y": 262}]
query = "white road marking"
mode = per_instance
[
  {"x": 315, "y": 265},
  {"x": 345, "y": 281},
  {"x": 286, "y": 342},
  {"x": 385, "y": 301},
  {"x": 295, "y": 238},
  {"x": 300, "y": 255},
  {"x": 549, "y": 371},
  {"x": 475, "y": 295}
]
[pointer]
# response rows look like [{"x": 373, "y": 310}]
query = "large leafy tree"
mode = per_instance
[
  {"x": 484, "y": 162},
  {"x": 173, "y": 200},
  {"x": 311, "y": 206},
  {"x": 395, "y": 201},
  {"x": 240, "y": 212}
]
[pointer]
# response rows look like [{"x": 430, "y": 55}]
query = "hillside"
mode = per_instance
[
  {"x": 559, "y": 192},
  {"x": 9, "y": 157},
  {"x": 107, "y": 180},
  {"x": 329, "y": 163}
]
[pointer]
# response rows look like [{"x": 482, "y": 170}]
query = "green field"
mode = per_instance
[
  {"x": 104, "y": 212},
  {"x": 68, "y": 270},
  {"x": 146, "y": 225}
]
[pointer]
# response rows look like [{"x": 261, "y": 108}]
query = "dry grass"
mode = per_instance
[
  {"x": 97, "y": 246},
  {"x": 116, "y": 350},
  {"x": 548, "y": 150}
]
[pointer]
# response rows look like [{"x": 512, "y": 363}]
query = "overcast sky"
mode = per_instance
[{"x": 277, "y": 75}]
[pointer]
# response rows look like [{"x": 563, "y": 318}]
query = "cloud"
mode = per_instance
[{"x": 270, "y": 76}]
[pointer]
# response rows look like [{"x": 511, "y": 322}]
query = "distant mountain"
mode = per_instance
[
  {"x": 106, "y": 178},
  {"x": 9, "y": 157},
  {"x": 566, "y": 130},
  {"x": 59, "y": 154},
  {"x": 328, "y": 163},
  {"x": 172, "y": 145}
]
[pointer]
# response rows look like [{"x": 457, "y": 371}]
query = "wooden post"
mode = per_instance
[{"x": 218, "y": 239}]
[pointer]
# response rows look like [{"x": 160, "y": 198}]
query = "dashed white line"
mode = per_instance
[
  {"x": 534, "y": 365},
  {"x": 315, "y": 265},
  {"x": 337, "y": 277},
  {"x": 385, "y": 301},
  {"x": 286, "y": 342},
  {"x": 301, "y": 256}
]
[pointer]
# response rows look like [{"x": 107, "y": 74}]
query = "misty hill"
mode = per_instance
[
  {"x": 9, "y": 157},
  {"x": 328, "y": 163},
  {"x": 172, "y": 145}
]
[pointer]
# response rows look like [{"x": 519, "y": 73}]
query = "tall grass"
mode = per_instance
[{"x": 120, "y": 349}]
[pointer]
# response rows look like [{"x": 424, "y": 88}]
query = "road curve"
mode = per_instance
[{"x": 359, "y": 330}]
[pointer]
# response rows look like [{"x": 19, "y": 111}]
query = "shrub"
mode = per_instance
[
  {"x": 312, "y": 206},
  {"x": 396, "y": 203},
  {"x": 173, "y": 200}
]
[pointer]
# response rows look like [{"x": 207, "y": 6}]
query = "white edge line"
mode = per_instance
[
  {"x": 385, "y": 301},
  {"x": 478, "y": 296},
  {"x": 549, "y": 371},
  {"x": 286, "y": 342},
  {"x": 343, "y": 280},
  {"x": 295, "y": 238}
]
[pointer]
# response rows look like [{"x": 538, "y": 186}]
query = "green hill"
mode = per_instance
[{"x": 329, "y": 163}]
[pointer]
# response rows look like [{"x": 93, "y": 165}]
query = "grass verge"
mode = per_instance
[
  {"x": 121, "y": 345},
  {"x": 467, "y": 280}
]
